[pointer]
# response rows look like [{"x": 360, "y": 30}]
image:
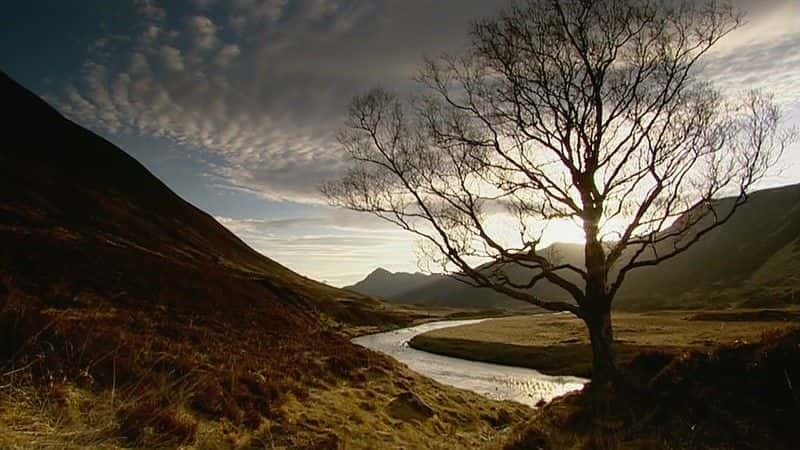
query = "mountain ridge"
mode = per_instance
[{"x": 731, "y": 256}]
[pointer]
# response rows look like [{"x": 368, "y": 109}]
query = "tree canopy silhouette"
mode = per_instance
[{"x": 592, "y": 111}]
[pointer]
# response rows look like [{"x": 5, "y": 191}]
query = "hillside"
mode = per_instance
[
  {"x": 752, "y": 260},
  {"x": 753, "y": 256},
  {"x": 128, "y": 317},
  {"x": 739, "y": 396},
  {"x": 67, "y": 187}
]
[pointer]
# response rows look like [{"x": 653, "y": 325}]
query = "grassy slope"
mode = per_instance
[{"x": 129, "y": 317}]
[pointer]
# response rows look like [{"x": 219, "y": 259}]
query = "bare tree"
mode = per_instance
[{"x": 590, "y": 111}]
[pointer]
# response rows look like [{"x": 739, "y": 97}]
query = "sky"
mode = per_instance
[{"x": 235, "y": 104}]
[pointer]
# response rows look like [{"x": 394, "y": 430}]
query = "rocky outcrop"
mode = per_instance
[{"x": 409, "y": 407}]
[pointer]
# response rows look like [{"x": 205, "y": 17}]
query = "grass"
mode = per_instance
[
  {"x": 87, "y": 373},
  {"x": 558, "y": 344},
  {"x": 340, "y": 414},
  {"x": 168, "y": 353}
]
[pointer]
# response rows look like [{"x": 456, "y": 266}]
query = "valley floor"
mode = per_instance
[
  {"x": 739, "y": 395},
  {"x": 557, "y": 344},
  {"x": 688, "y": 380}
]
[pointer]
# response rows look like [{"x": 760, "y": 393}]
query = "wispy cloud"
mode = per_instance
[
  {"x": 257, "y": 90},
  {"x": 772, "y": 65},
  {"x": 262, "y": 85},
  {"x": 325, "y": 248},
  {"x": 264, "y": 226}
]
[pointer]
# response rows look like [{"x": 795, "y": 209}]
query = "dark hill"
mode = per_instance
[
  {"x": 447, "y": 291},
  {"x": 75, "y": 207},
  {"x": 741, "y": 257}
]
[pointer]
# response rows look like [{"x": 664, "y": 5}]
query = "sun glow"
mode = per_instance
[
  {"x": 505, "y": 229},
  {"x": 563, "y": 230}
]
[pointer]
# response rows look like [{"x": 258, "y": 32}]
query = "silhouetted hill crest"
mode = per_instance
[{"x": 75, "y": 207}]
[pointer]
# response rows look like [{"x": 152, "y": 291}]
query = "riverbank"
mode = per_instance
[
  {"x": 496, "y": 382},
  {"x": 370, "y": 402},
  {"x": 414, "y": 315},
  {"x": 556, "y": 344}
]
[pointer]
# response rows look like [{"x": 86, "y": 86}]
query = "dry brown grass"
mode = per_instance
[
  {"x": 111, "y": 376},
  {"x": 171, "y": 354},
  {"x": 339, "y": 415}
]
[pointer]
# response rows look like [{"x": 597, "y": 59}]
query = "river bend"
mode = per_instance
[{"x": 495, "y": 381}]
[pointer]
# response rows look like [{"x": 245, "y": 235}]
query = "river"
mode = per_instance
[{"x": 495, "y": 381}]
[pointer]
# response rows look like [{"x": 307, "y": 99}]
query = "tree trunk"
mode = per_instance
[
  {"x": 596, "y": 304},
  {"x": 604, "y": 370},
  {"x": 604, "y": 374}
]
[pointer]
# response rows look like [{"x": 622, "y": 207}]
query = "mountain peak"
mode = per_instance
[{"x": 380, "y": 271}]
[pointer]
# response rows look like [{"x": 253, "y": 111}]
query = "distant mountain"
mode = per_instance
[
  {"x": 754, "y": 258},
  {"x": 384, "y": 284},
  {"x": 443, "y": 290}
]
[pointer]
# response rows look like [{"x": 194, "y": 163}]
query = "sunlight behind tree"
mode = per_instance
[{"x": 592, "y": 112}]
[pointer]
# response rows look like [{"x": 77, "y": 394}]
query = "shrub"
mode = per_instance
[{"x": 149, "y": 424}]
